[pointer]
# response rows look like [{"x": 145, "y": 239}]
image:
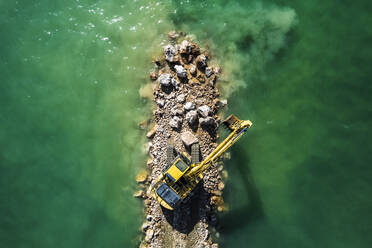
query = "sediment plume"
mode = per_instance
[{"x": 187, "y": 105}]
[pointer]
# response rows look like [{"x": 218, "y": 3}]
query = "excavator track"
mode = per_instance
[{"x": 195, "y": 155}]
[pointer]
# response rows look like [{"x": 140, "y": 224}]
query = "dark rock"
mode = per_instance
[{"x": 208, "y": 121}]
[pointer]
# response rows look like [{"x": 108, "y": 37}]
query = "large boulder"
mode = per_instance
[
  {"x": 188, "y": 138},
  {"x": 191, "y": 117},
  {"x": 175, "y": 122},
  {"x": 208, "y": 121},
  {"x": 169, "y": 52},
  {"x": 204, "y": 111},
  {"x": 165, "y": 79},
  {"x": 181, "y": 72},
  {"x": 189, "y": 106}
]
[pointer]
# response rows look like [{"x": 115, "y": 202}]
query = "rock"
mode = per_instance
[
  {"x": 214, "y": 245},
  {"x": 139, "y": 194},
  {"x": 175, "y": 122},
  {"x": 217, "y": 200},
  {"x": 191, "y": 117},
  {"x": 149, "y": 235},
  {"x": 217, "y": 192},
  {"x": 192, "y": 69},
  {"x": 160, "y": 103},
  {"x": 149, "y": 217},
  {"x": 208, "y": 71},
  {"x": 221, "y": 186},
  {"x": 173, "y": 35},
  {"x": 188, "y": 138},
  {"x": 176, "y": 111},
  {"x": 204, "y": 111},
  {"x": 153, "y": 76},
  {"x": 201, "y": 61},
  {"x": 189, "y": 106},
  {"x": 175, "y": 83},
  {"x": 141, "y": 176},
  {"x": 169, "y": 52},
  {"x": 185, "y": 47},
  {"x": 150, "y": 134},
  {"x": 181, "y": 98},
  {"x": 181, "y": 72},
  {"x": 217, "y": 70},
  {"x": 165, "y": 79},
  {"x": 208, "y": 121},
  {"x": 145, "y": 226}
]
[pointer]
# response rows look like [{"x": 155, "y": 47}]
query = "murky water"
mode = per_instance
[{"x": 70, "y": 145}]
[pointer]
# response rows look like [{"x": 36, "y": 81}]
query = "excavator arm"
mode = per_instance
[{"x": 238, "y": 128}]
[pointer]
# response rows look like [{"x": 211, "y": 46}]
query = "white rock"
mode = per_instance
[
  {"x": 176, "y": 111},
  {"x": 204, "y": 110},
  {"x": 175, "y": 122},
  {"x": 181, "y": 72},
  {"x": 185, "y": 47},
  {"x": 169, "y": 52},
  {"x": 160, "y": 103},
  {"x": 192, "y": 69},
  {"x": 165, "y": 79},
  {"x": 191, "y": 117},
  {"x": 181, "y": 98},
  {"x": 149, "y": 235},
  {"x": 208, "y": 71},
  {"x": 188, "y": 138},
  {"x": 145, "y": 226},
  {"x": 201, "y": 60},
  {"x": 208, "y": 121},
  {"x": 189, "y": 106}
]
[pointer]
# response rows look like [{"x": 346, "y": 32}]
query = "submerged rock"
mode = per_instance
[
  {"x": 141, "y": 176},
  {"x": 139, "y": 194}
]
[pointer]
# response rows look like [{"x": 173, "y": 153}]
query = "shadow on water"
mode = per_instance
[{"x": 249, "y": 211}]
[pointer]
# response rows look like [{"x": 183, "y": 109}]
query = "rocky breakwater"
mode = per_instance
[{"x": 187, "y": 102}]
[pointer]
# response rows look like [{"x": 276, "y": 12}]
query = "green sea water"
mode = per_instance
[{"x": 69, "y": 108}]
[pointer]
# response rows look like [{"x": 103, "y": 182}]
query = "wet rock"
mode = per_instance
[
  {"x": 153, "y": 76},
  {"x": 141, "y": 176},
  {"x": 191, "y": 117},
  {"x": 189, "y": 106},
  {"x": 185, "y": 47},
  {"x": 208, "y": 71},
  {"x": 208, "y": 121},
  {"x": 204, "y": 111},
  {"x": 221, "y": 186},
  {"x": 192, "y": 69},
  {"x": 169, "y": 52},
  {"x": 139, "y": 194},
  {"x": 188, "y": 138},
  {"x": 165, "y": 79},
  {"x": 201, "y": 61},
  {"x": 150, "y": 134},
  {"x": 160, "y": 103},
  {"x": 175, "y": 122},
  {"x": 181, "y": 72},
  {"x": 181, "y": 98},
  {"x": 149, "y": 235},
  {"x": 217, "y": 70},
  {"x": 145, "y": 226},
  {"x": 173, "y": 35}
]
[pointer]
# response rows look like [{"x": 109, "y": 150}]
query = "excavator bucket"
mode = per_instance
[{"x": 230, "y": 121}]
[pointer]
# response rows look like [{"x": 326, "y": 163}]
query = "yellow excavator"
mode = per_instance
[{"x": 181, "y": 176}]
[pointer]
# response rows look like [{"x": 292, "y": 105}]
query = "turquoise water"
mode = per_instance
[{"x": 70, "y": 145}]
